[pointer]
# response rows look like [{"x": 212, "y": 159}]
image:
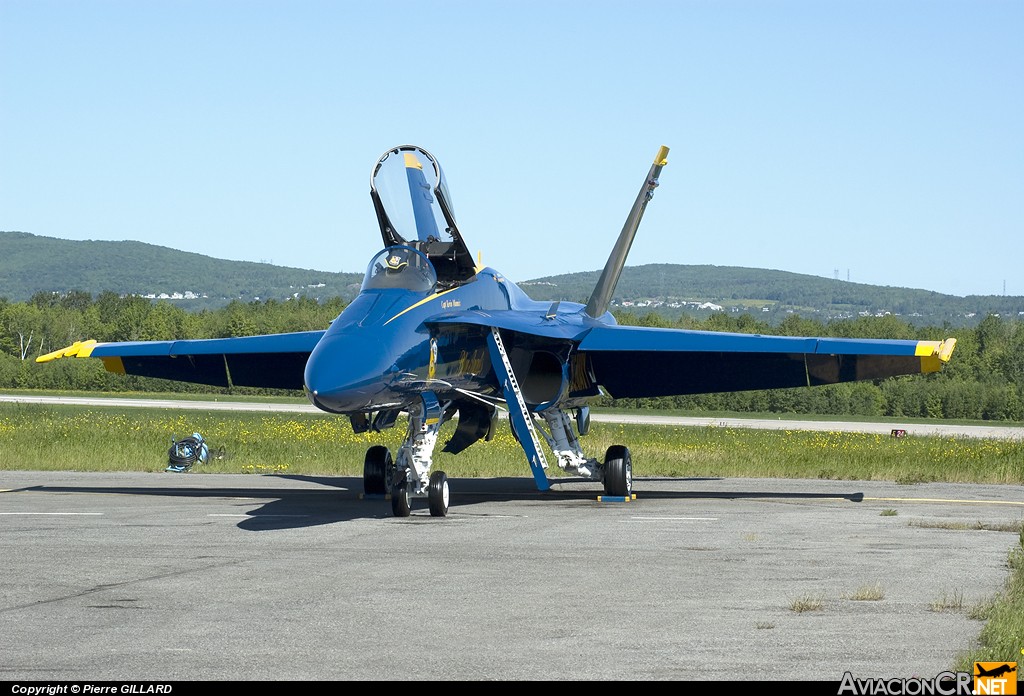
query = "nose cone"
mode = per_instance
[{"x": 347, "y": 373}]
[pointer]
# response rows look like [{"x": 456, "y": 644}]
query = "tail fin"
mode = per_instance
[
  {"x": 422, "y": 199},
  {"x": 602, "y": 295}
]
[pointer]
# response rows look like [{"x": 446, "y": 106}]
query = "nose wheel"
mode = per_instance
[
  {"x": 437, "y": 495},
  {"x": 401, "y": 498}
]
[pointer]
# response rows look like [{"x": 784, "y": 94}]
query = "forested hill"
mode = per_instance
[
  {"x": 674, "y": 289},
  {"x": 30, "y": 264}
]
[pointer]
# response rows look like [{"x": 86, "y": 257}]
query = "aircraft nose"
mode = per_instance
[{"x": 345, "y": 374}]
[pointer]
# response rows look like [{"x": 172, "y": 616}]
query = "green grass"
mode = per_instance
[
  {"x": 1002, "y": 637},
  {"x": 949, "y": 601},
  {"x": 979, "y": 525},
  {"x": 45, "y": 437},
  {"x": 866, "y": 593}
]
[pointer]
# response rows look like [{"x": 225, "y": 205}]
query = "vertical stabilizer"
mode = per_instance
[
  {"x": 422, "y": 199},
  {"x": 602, "y": 295}
]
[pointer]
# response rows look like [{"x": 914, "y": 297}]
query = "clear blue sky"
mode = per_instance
[{"x": 882, "y": 140}]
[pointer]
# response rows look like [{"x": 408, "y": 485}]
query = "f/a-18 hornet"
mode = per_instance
[{"x": 435, "y": 335}]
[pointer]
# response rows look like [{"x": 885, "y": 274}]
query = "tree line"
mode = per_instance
[
  {"x": 50, "y": 321},
  {"x": 983, "y": 381}
]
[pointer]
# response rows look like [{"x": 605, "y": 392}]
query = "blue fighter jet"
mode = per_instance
[{"x": 436, "y": 336}]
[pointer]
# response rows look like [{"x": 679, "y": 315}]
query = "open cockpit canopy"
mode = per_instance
[{"x": 414, "y": 209}]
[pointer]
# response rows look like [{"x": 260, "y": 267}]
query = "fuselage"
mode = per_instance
[
  {"x": 383, "y": 349},
  {"x": 423, "y": 319}
]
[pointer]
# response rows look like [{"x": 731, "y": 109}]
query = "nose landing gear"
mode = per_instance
[{"x": 409, "y": 477}]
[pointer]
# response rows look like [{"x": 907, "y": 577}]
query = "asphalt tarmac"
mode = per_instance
[{"x": 192, "y": 576}]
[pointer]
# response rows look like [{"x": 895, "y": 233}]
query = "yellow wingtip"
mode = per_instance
[
  {"x": 935, "y": 354},
  {"x": 946, "y": 349},
  {"x": 662, "y": 159},
  {"x": 81, "y": 349},
  {"x": 51, "y": 356}
]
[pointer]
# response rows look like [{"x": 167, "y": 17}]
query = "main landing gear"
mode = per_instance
[
  {"x": 378, "y": 470},
  {"x": 409, "y": 477},
  {"x": 617, "y": 471}
]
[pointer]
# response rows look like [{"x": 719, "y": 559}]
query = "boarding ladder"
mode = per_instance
[{"x": 519, "y": 415}]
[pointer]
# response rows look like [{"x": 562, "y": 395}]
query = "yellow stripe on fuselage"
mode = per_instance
[{"x": 421, "y": 302}]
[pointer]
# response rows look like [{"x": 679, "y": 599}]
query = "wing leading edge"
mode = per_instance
[{"x": 275, "y": 361}]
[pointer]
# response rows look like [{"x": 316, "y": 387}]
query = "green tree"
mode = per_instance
[{"x": 23, "y": 324}]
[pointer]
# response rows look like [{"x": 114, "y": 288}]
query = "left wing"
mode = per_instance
[
  {"x": 274, "y": 361},
  {"x": 637, "y": 362},
  {"x": 642, "y": 362}
]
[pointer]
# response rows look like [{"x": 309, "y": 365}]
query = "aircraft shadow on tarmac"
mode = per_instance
[{"x": 341, "y": 499}]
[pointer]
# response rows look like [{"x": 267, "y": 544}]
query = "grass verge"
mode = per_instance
[{"x": 100, "y": 438}]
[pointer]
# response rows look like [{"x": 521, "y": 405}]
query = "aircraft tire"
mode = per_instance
[
  {"x": 378, "y": 470},
  {"x": 618, "y": 471},
  {"x": 437, "y": 494},
  {"x": 401, "y": 503}
]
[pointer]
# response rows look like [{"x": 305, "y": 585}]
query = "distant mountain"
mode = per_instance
[
  {"x": 31, "y": 264},
  {"x": 700, "y": 290}
]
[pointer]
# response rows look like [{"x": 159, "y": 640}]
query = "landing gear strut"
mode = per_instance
[{"x": 411, "y": 477}]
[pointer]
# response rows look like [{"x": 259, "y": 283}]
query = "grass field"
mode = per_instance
[
  {"x": 43, "y": 437},
  {"x": 79, "y": 438}
]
